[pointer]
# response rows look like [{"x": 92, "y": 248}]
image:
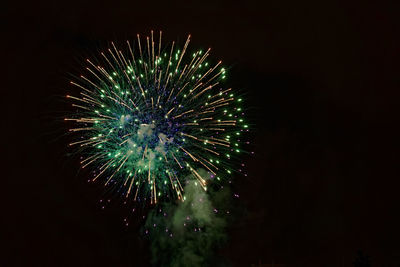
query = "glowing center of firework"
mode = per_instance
[{"x": 147, "y": 139}]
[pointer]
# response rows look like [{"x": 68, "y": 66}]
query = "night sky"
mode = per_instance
[{"x": 321, "y": 80}]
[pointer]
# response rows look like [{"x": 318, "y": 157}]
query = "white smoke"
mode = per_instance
[{"x": 145, "y": 130}]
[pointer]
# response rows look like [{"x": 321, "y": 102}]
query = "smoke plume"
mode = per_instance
[{"x": 189, "y": 233}]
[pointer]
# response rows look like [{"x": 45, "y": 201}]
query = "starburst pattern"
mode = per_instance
[{"x": 149, "y": 118}]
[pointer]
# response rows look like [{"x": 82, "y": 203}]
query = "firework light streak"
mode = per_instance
[{"x": 148, "y": 118}]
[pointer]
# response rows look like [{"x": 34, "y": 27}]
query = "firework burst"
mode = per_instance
[{"x": 148, "y": 119}]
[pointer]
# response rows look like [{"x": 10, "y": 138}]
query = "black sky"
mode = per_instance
[{"x": 322, "y": 83}]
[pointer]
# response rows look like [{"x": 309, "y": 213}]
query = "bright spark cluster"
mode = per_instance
[{"x": 150, "y": 118}]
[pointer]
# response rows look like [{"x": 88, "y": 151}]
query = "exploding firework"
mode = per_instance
[{"x": 148, "y": 119}]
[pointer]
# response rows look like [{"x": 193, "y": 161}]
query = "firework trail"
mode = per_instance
[{"x": 148, "y": 117}]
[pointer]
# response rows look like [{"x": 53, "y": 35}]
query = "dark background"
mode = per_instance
[{"x": 322, "y": 84}]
